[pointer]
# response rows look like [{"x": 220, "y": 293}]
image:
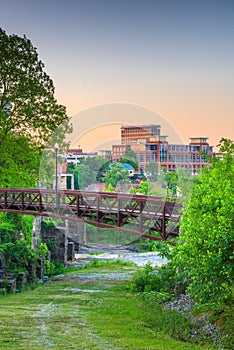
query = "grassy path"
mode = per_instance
[{"x": 88, "y": 309}]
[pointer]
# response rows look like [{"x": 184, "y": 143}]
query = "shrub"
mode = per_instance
[{"x": 164, "y": 280}]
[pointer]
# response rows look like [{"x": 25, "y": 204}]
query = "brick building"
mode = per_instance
[{"x": 150, "y": 146}]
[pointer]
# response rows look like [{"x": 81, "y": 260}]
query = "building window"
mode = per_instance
[
  {"x": 163, "y": 156},
  {"x": 148, "y": 157},
  {"x": 141, "y": 160}
]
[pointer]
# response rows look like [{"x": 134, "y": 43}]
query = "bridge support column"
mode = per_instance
[
  {"x": 36, "y": 232},
  {"x": 82, "y": 232}
]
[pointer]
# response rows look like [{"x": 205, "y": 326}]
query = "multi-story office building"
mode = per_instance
[
  {"x": 150, "y": 146},
  {"x": 133, "y": 134}
]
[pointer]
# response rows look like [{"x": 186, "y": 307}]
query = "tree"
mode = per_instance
[
  {"x": 171, "y": 179},
  {"x": 185, "y": 183},
  {"x": 19, "y": 162},
  {"x": 27, "y": 103},
  {"x": 115, "y": 175},
  {"x": 98, "y": 166},
  {"x": 90, "y": 170},
  {"x": 152, "y": 169},
  {"x": 204, "y": 255},
  {"x": 130, "y": 157},
  {"x": 84, "y": 176}
]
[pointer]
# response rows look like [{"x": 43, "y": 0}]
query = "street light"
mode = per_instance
[{"x": 56, "y": 175}]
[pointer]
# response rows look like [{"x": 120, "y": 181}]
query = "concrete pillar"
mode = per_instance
[{"x": 36, "y": 232}]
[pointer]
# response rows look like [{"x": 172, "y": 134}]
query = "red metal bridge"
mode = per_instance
[{"x": 148, "y": 216}]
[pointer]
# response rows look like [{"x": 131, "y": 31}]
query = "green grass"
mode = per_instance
[
  {"x": 87, "y": 309},
  {"x": 96, "y": 253}
]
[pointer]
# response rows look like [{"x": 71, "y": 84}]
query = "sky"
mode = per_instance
[{"x": 174, "y": 59}]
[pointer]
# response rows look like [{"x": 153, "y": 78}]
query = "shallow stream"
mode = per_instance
[{"x": 122, "y": 253}]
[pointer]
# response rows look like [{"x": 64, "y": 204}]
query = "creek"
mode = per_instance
[{"x": 125, "y": 253}]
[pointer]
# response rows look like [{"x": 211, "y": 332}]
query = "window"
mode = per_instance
[{"x": 141, "y": 160}]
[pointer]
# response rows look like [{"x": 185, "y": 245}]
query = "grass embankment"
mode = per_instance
[{"x": 91, "y": 308}]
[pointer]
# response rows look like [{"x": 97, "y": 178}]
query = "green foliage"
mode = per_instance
[
  {"x": 96, "y": 263},
  {"x": 28, "y": 106},
  {"x": 85, "y": 177},
  {"x": 163, "y": 279},
  {"x": 130, "y": 157},
  {"x": 171, "y": 322},
  {"x": 18, "y": 169},
  {"x": 116, "y": 175},
  {"x": 152, "y": 169},
  {"x": 205, "y": 255},
  {"x": 7, "y": 228},
  {"x": 171, "y": 179},
  {"x": 108, "y": 188},
  {"x": 72, "y": 169},
  {"x": 97, "y": 165},
  {"x": 90, "y": 170},
  {"x": 14, "y": 227},
  {"x": 145, "y": 187},
  {"x": 27, "y": 226},
  {"x": 162, "y": 247},
  {"x": 18, "y": 255},
  {"x": 185, "y": 183}
]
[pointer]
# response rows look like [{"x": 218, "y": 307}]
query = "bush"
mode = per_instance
[{"x": 164, "y": 280}]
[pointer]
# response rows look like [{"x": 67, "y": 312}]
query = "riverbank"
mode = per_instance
[{"x": 91, "y": 308}]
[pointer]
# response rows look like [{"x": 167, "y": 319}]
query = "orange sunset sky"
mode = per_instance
[{"x": 169, "y": 61}]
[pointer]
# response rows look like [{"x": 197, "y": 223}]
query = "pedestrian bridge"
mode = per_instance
[{"x": 152, "y": 217}]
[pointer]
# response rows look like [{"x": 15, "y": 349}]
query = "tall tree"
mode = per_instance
[
  {"x": 27, "y": 103},
  {"x": 204, "y": 255}
]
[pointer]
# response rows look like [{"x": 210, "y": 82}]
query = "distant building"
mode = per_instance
[
  {"x": 138, "y": 133},
  {"x": 150, "y": 146},
  {"x": 76, "y": 154},
  {"x": 105, "y": 154}
]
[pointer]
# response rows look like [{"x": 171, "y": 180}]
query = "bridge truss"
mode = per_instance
[{"x": 148, "y": 216}]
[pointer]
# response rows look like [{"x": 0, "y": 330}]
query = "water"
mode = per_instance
[{"x": 110, "y": 253}]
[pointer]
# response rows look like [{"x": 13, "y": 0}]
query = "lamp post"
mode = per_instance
[{"x": 56, "y": 175}]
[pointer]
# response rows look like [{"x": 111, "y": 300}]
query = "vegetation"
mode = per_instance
[
  {"x": 90, "y": 170},
  {"x": 116, "y": 175},
  {"x": 200, "y": 262},
  {"x": 152, "y": 169},
  {"x": 130, "y": 157},
  {"x": 90, "y": 308},
  {"x": 29, "y": 117},
  {"x": 204, "y": 254},
  {"x": 27, "y": 104}
]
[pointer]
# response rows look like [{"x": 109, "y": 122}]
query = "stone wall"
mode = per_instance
[
  {"x": 64, "y": 239},
  {"x": 57, "y": 241}
]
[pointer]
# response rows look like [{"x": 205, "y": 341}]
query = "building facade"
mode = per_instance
[
  {"x": 137, "y": 133},
  {"x": 150, "y": 146}
]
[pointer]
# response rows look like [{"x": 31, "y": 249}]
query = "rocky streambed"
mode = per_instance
[{"x": 125, "y": 253}]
